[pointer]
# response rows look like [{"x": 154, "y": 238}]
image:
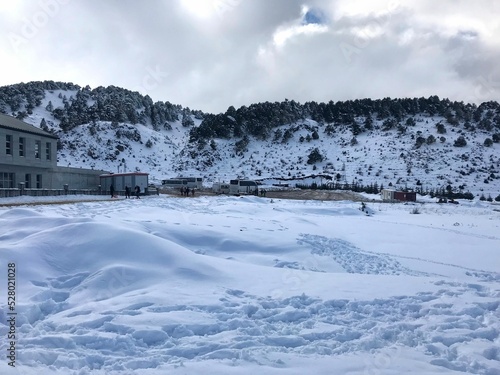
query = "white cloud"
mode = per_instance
[
  {"x": 216, "y": 53},
  {"x": 282, "y": 35}
]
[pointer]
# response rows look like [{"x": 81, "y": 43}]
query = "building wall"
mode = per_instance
[
  {"x": 31, "y": 159},
  {"x": 55, "y": 178},
  {"x": 11, "y": 176},
  {"x": 405, "y": 196},
  {"x": 26, "y": 158},
  {"x": 24, "y": 153},
  {"x": 387, "y": 195},
  {"x": 75, "y": 178}
]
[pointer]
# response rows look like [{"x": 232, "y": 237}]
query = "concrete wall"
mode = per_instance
[
  {"x": 32, "y": 177},
  {"x": 21, "y": 157},
  {"x": 75, "y": 178},
  {"x": 28, "y": 158},
  {"x": 53, "y": 178}
]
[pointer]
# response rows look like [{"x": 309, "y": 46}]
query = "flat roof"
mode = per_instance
[
  {"x": 125, "y": 174},
  {"x": 9, "y": 122}
]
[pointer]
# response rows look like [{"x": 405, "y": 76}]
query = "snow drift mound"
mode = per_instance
[{"x": 94, "y": 255}]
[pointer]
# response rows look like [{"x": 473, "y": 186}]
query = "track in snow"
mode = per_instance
[{"x": 245, "y": 328}]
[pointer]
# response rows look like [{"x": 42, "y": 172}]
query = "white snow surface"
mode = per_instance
[{"x": 249, "y": 285}]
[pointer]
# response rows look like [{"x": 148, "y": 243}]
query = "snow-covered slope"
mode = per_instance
[{"x": 377, "y": 156}]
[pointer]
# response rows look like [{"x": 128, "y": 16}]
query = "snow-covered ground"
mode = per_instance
[{"x": 248, "y": 285}]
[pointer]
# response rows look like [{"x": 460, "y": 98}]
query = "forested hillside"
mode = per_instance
[{"x": 417, "y": 143}]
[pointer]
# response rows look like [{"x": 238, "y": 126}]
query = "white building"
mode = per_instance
[{"x": 28, "y": 160}]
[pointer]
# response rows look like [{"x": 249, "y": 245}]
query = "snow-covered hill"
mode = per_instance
[{"x": 423, "y": 155}]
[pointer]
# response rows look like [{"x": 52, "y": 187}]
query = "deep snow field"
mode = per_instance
[{"x": 248, "y": 285}]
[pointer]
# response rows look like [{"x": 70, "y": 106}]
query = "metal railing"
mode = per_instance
[{"x": 14, "y": 192}]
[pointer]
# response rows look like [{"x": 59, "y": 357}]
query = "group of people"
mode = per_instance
[
  {"x": 186, "y": 190},
  {"x": 137, "y": 192}
]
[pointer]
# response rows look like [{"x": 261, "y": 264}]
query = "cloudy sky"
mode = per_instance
[{"x": 210, "y": 54}]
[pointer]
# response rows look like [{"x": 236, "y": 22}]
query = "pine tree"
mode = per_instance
[
  {"x": 410, "y": 121},
  {"x": 368, "y": 123},
  {"x": 43, "y": 125},
  {"x": 49, "y": 107},
  {"x": 315, "y": 156},
  {"x": 460, "y": 142},
  {"x": 440, "y": 128},
  {"x": 187, "y": 120}
]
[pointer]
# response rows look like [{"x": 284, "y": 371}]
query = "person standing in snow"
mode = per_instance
[
  {"x": 112, "y": 190},
  {"x": 137, "y": 192},
  {"x": 127, "y": 192}
]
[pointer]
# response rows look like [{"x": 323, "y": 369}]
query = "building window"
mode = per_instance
[
  {"x": 8, "y": 144},
  {"x": 38, "y": 181},
  {"x": 6, "y": 180},
  {"x": 48, "y": 149},
  {"x": 38, "y": 145},
  {"x": 21, "y": 146},
  {"x": 27, "y": 182}
]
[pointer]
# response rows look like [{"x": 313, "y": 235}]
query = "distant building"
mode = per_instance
[
  {"x": 243, "y": 187},
  {"x": 121, "y": 180},
  {"x": 178, "y": 182},
  {"x": 393, "y": 195},
  {"x": 221, "y": 188},
  {"x": 28, "y": 160},
  {"x": 405, "y": 196},
  {"x": 387, "y": 194}
]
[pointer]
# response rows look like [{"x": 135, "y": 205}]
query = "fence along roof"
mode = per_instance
[{"x": 10, "y": 122}]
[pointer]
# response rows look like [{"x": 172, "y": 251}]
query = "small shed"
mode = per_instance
[
  {"x": 387, "y": 194},
  {"x": 405, "y": 196},
  {"x": 402, "y": 196},
  {"x": 121, "y": 180}
]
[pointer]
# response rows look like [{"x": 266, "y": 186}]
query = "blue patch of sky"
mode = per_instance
[{"x": 314, "y": 16}]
